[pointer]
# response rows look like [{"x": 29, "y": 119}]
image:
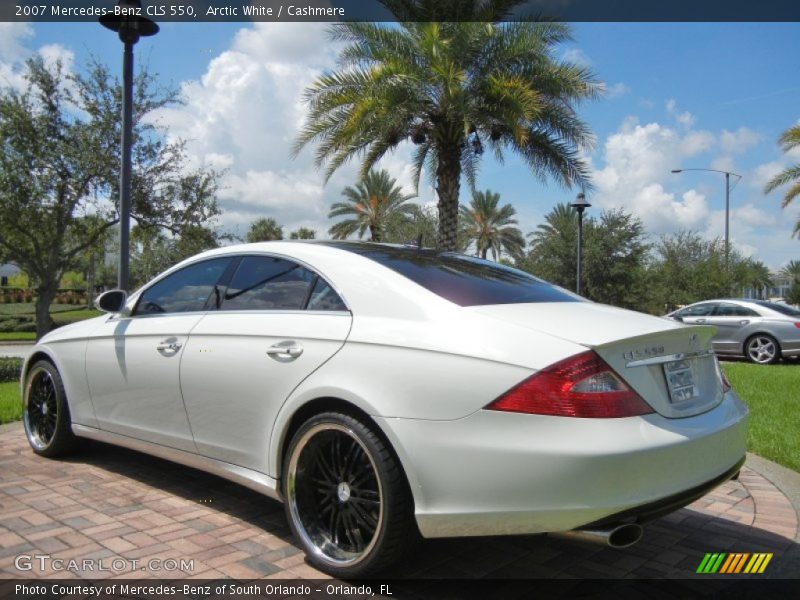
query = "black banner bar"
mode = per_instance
[{"x": 195, "y": 11}]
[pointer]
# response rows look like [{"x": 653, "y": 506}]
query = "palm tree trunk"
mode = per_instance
[
  {"x": 376, "y": 235},
  {"x": 448, "y": 181}
]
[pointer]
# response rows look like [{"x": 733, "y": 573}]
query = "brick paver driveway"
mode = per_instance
[{"x": 110, "y": 503}]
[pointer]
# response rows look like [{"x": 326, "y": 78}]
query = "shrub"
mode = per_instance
[
  {"x": 8, "y": 325},
  {"x": 10, "y": 369}
]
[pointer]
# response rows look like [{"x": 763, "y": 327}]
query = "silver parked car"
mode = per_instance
[{"x": 761, "y": 331}]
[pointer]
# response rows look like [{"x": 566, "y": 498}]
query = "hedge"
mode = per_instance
[{"x": 10, "y": 369}]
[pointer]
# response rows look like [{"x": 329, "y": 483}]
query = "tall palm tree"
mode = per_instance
[
  {"x": 791, "y": 271},
  {"x": 491, "y": 227},
  {"x": 453, "y": 89},
  {"x": 757, "y": 276},
  {"x": 369, "y": 205},
  {"x": 789, "y": 140}
]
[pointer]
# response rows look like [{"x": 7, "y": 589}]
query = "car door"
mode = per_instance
[
  {"x": 133, "y": 362},
  {"x": 732, "y": 321},
  {"x": 277, "y": 322}
]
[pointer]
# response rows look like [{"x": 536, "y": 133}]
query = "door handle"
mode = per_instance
[
  {"x": 288, "y": 349},
  {"x": 744, "y": 322},
  {"x": 700, "y": 321},
  {"x": 168, "y": 346}
]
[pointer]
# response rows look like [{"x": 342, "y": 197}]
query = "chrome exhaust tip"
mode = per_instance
[{"x": 617, "y": 536}]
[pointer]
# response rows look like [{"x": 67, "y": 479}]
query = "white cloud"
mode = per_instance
[
  {"x": 737, "y": 142},
  {"x": 617, "y": 90},
  {"x": 577, "y": 56},
  {"x": 12, "y": 36}
]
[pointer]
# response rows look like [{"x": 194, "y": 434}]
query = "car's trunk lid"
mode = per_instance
[{"x": 669, "y": 364}]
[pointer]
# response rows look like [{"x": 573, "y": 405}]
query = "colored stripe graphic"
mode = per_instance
[{"x": 734, "y": 563}]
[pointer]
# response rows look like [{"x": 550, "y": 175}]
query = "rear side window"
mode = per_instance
[
  {"x": 267, "y": 283},
  {"x": 263, "y": 283},
  {"x": 186, "y": 290},
  {"x": 734, "y": 310},
  {"x": 784, "y": 309},
  {"x": 461, "y": 279}
]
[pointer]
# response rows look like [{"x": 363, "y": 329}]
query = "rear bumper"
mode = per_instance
[{"x": 495, "y": 473}]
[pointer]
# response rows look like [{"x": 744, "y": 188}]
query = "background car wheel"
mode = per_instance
[
  {"x": 762, "y": 349},
  {"x": 346, "y": 497},
  {"x": 45, "y": 412}
]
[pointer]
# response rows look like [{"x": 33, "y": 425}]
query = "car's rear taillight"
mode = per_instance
[
  {"x": 797, "y": 324},
  {"x": 579, "y": 386}
]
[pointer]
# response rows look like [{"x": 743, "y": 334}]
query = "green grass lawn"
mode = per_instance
[
  {"x": 16, "y": 336},
  {"x": 28, "y": 308},
  {"x": 772, "y": 392},
  {"x": 10, "y": 405},
  {"x": 63, "y": 314}
]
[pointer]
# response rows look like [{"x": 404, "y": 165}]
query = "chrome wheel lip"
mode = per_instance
[
  {"x": 31, "y": 429},
  {"x": 291, "y": 497},
  {"x": 761, "y": 349}
]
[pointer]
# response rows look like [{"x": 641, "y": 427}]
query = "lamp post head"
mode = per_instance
[
  {"x": 677, "y": 170},
  {"x": 128, "y": 23},
  {"x": 580, "y": 203}
]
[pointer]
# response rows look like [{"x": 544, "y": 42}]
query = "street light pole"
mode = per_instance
[
  {"x": 580, "y": 205},
  {"x": 130, "y": 28},
  {"x": 727, "y": 206}
]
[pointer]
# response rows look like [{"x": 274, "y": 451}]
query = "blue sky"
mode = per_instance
[{"x": 679, "y": 95}]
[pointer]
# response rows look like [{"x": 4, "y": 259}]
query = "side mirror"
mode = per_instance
[
  {"x": 677, "y": 318},
  {"x": 112, "y": 301}
]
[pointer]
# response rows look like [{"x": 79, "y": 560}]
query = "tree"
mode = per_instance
[
  {"x": 368, "y": 205},
  {"x": 553, "y": 246},
  {"x": 789, "y": 140},
  {"x": 152, "y": 251},
  {"x": 59, "y": 167},
  {"x": 614, "y": 255},
  {"x": 264, "y": 230},
  {"x": 756, "y": 275},
  {"x": 304, "y": 233},
  {"x": 420, "y": 226},
  {"x": 453, "y": 89},
  {"x": 491, "y": 227},
  {"x": 792, "y": 272}
]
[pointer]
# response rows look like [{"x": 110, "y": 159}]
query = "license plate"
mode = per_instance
[{"x": 681, "y": 382}]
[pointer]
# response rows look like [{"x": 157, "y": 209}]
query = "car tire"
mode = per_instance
[
  {"x": 762, "y": 349},
  {"x": 45, "y": 412},
  {"x": 346, "y": 497}
]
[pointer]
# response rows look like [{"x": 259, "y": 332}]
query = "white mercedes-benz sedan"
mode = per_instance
[{"x": 382, "y": 390}]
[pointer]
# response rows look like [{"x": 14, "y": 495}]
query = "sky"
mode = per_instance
[{"x": 679, "y": 95}]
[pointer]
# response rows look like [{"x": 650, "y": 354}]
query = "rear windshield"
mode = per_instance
[
  {"x": 464, "y": 280},
  {"x": 781, "y": 308}
]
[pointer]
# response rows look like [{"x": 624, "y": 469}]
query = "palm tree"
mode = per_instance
[
  {"x": 757, "y": 276},
  {"x": 304, "y": 233},
  {"x": 491, "y": 227},
  {"x": 369, "y": 205},
  {"x": 453, "y": 89},
  {"x": 264, "y": 230},
  {"x": 789, "y": 140},
  {"x": 791, "y": 271}
]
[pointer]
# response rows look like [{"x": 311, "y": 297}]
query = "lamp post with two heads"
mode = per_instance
[{"x": 728, "y": 189}]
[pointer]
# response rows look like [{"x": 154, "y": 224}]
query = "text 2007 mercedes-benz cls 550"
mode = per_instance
[{"x": 377, "y": 390}]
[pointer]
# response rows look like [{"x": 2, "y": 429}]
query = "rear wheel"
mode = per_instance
[
  {"x": 346, "y": 498},
  {"x": 45, "y": 412},
  {"x": 762, "y": 349}
]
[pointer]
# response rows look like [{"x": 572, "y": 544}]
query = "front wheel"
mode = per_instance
[
  {"x": 346, "y": 497},
  {"x": 762, "y": 349},
  {"x": 45, "y": 413}
]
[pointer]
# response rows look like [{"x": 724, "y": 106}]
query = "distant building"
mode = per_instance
[{"x": 778, "y": 290}]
